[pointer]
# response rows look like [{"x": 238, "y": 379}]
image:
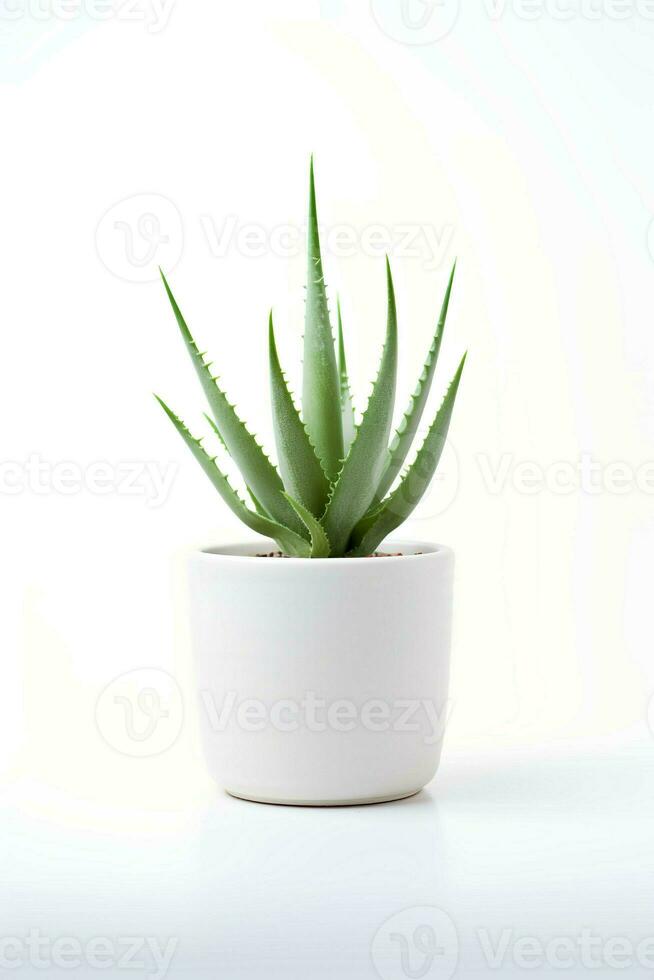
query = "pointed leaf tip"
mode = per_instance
[
  {"x": 288, "y": 540},
  {"x": 390, "y": 287},
  {"x": 320, "y": 382},
  {"x": 399, "y": 505},
  {"x": 320, "y": 546},
  {"x": 258, "y": 472},
  {"x": 405, "y": 433},
  {"x": 347, "y": 408},
  {"x": 364, "y": 465}
]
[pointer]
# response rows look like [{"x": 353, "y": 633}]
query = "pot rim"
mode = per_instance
[{"x": 244, "y": 551}]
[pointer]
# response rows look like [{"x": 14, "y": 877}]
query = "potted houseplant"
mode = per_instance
[{"x": 323, "y": 676}]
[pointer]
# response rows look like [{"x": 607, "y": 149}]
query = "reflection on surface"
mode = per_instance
[{"x": 513, "y": 850}]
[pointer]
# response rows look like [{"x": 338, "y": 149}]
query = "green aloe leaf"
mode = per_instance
[
  {"x": 320, "y": 546},
  {"x": 347, "y": 408},
  {"x": 303, "y": 476},
  {"x": 289, "y": 542},
  {"x": 257, "y": 504},
  {"x": 258, "y": 472},
  {"x": 405, "y": 433},
  {"x": 397, "y": 507},
  {"x": 320, "y": 387},
  {"x": 362, "y": 469}
]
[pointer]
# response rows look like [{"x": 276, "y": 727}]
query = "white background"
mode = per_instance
[{"x": 513, "y": 135}]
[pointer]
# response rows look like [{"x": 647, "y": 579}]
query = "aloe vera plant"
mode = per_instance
[{"x": 338, "y": 488}]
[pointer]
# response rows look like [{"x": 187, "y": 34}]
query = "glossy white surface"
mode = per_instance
[{"x": 544, "y": 843}]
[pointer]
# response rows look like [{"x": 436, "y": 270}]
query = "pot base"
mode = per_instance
[{"x": 354, "y": 802}]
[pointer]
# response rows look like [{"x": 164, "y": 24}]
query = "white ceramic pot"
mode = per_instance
[{"x": 322, "y": 681}]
